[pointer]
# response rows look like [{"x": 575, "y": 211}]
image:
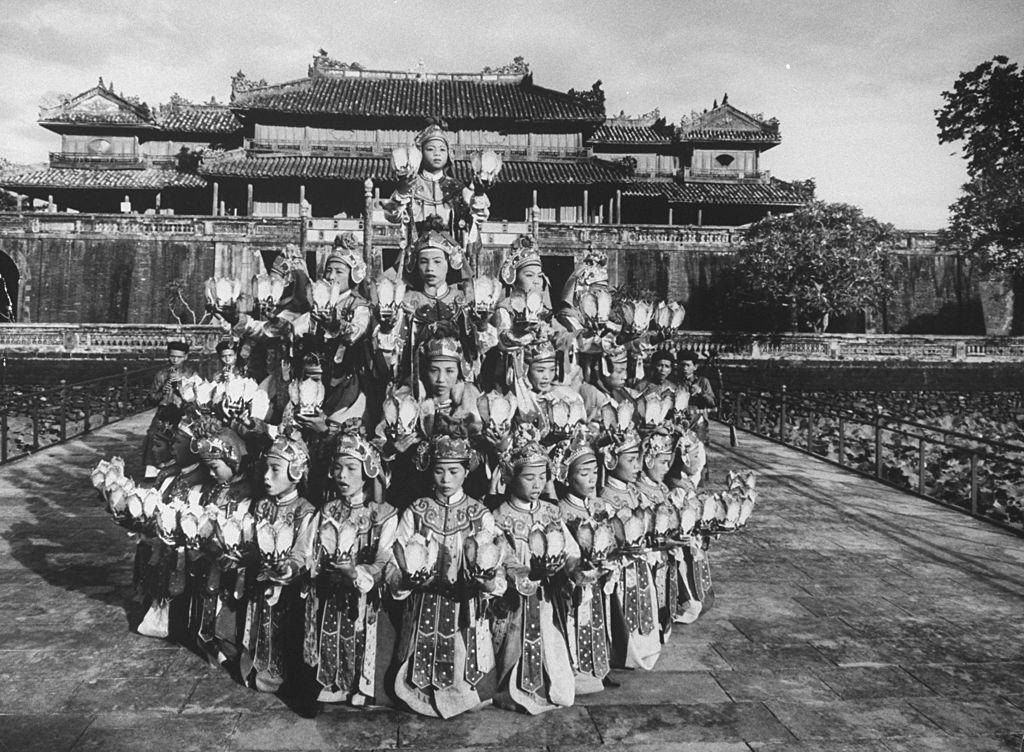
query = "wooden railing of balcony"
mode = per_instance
[
  {"x": 75, "y": 159},
  {"x": 383, "y": 148},
  {"x": 725, "y": 174}
]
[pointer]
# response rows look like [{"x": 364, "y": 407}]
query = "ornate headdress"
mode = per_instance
[
  {"x": 593, "y": 268},
  {"x": 570, "y": 450},
  {"x": 525, "y": 450},
  {"x": 443, "y": 348},
  {"x": 450, "y": 444},
  {"x": 539, "y": 351},
  {"x": 523, "y": 252},
  {"x": 620, "y": 433},
  {"x": 166, "y": 422},
  {"x": 611, "y": 355},
  {"x": 661, "y": 441},
  {"x": 346, "y": 250},
  {"x": 434, "y": 237},
  {"x": 223, "y": 445},
  {"x": 292, "y": 449},
  {"x": 352, "y": 443},
  {"x": 433, "y": 132}
]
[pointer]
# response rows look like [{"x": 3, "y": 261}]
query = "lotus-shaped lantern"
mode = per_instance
[
  {"x": 662, "y": 315},
  {"x": 565, "y": 414},
  {"x": 118, "y": 502},
  {"x": 232, "y": 531},
  {"x": 482, "y": 555},
  {"x": 547, "y": 549},
  {"x": 166, "y": 518},
  {"x": 274, "y": 540},
  {"x": 418, "y": 556},
  {"x": 533, "y": 306},
  {"x": 678, "y": 314},
  {"x": 143, "y": 506},
  {"x": 195, "y": 524},
  {"x": 401, "y": 412},
  {"x": 596, "y": 542},
  {"x": 307, "y": 396},
  {"x": 390, "y": 294},
  {"x": 654, "y": 407},
  {"x": 222, "y": 292},
  {"x": 98, "y": 474},
  {"x": 681, "y": 401},
  {"x": 337, "y": 540},
  {"x": 406, "y": 160},
  {"x": 486, "y": 291},
  {"x": 501, "y": 408},
  {"x": 666, "y": 520},
  {"x": 259, "y": 407},
  {"x": 267, "y": 291},
  {"x": 325, "y": 296},
  {"x": 630, "y": 530},
  {"x": 486, "y": 167},
  {"x": 204, "y": 392}
]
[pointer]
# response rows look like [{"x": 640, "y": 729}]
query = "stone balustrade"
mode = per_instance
[
  {"x": 559, "y": 237},
  {"x": 147, "y": 340},
  {"x": 102, "y": 340}
]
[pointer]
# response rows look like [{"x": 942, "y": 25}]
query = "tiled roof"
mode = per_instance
[
  {"x": 775, "y": 192},
  {"x": 628, "y": 134},
  {"x": 408, "y": 97},
  {"x": 55, "y": 177},
  {"x": 79, "y": 110},
  {"x": 722, "y": 134},
  {"x": 583, "y": 172},
  {"x": 198, "y": 118},
  {"x": 727, "y": 123}
]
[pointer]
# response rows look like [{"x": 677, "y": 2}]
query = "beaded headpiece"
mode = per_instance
[
  {"x": 166, "y": 422},
  {"x": 443, "y": 348},
  {"x": 450, "y": 443},
  {"x": 539, "y": 351},
  {"x": 525, "y": 451},
  {"x": 434, "y": 237},
  {"x": 292, "y": 449},
  {"x": 346, "y": 250},
  {"x": 352, "y": 443},
  {"x": 223, "y": 445},
  {"x": 571, "y": 450},
  {"x": 432, "y": 132},
  {"x": 593, "y": 267},
  {"x": 661, "y": 441},
  {"x": 523, "y": 252}
]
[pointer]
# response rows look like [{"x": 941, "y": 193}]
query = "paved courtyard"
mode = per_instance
[{"x": 849, "y": 617}]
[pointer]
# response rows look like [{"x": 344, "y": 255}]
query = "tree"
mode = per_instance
[
  {"x": 796, "y": 271},
  {"x": 985, "y": 111}
]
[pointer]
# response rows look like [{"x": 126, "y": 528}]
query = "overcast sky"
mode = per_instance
[{"x": 854, "y": 84}]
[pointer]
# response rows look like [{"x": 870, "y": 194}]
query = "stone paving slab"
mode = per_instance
[{"x": 849, "y": 617}]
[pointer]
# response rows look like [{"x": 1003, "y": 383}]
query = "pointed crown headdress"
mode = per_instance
[
  {"x": 522, "y": 252},
  {"x": 352, "y": 442},
  {"x": 570, "y": 450},
  {"x": 292, "y": 449},
  {"x": 346, "y": 250},
  {"x": 435, "y": 237}
]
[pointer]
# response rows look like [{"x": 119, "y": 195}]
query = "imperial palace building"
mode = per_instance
[{"x": 320, "y": 137}]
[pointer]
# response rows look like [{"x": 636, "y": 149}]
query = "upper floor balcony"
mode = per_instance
[
  {"x": 91, "y": 161},
  {"x": 384, "y": 148},
  {"x": 725, "y": 175}
]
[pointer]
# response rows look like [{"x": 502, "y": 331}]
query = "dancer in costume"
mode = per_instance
[
  {"x": 445, "y": 656},
  {"x": 574, "y": 464},
  {"x": 353, "y": 631},
  {"x": 284, "y": 528},
  {"x": 534, "y": 669}
]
